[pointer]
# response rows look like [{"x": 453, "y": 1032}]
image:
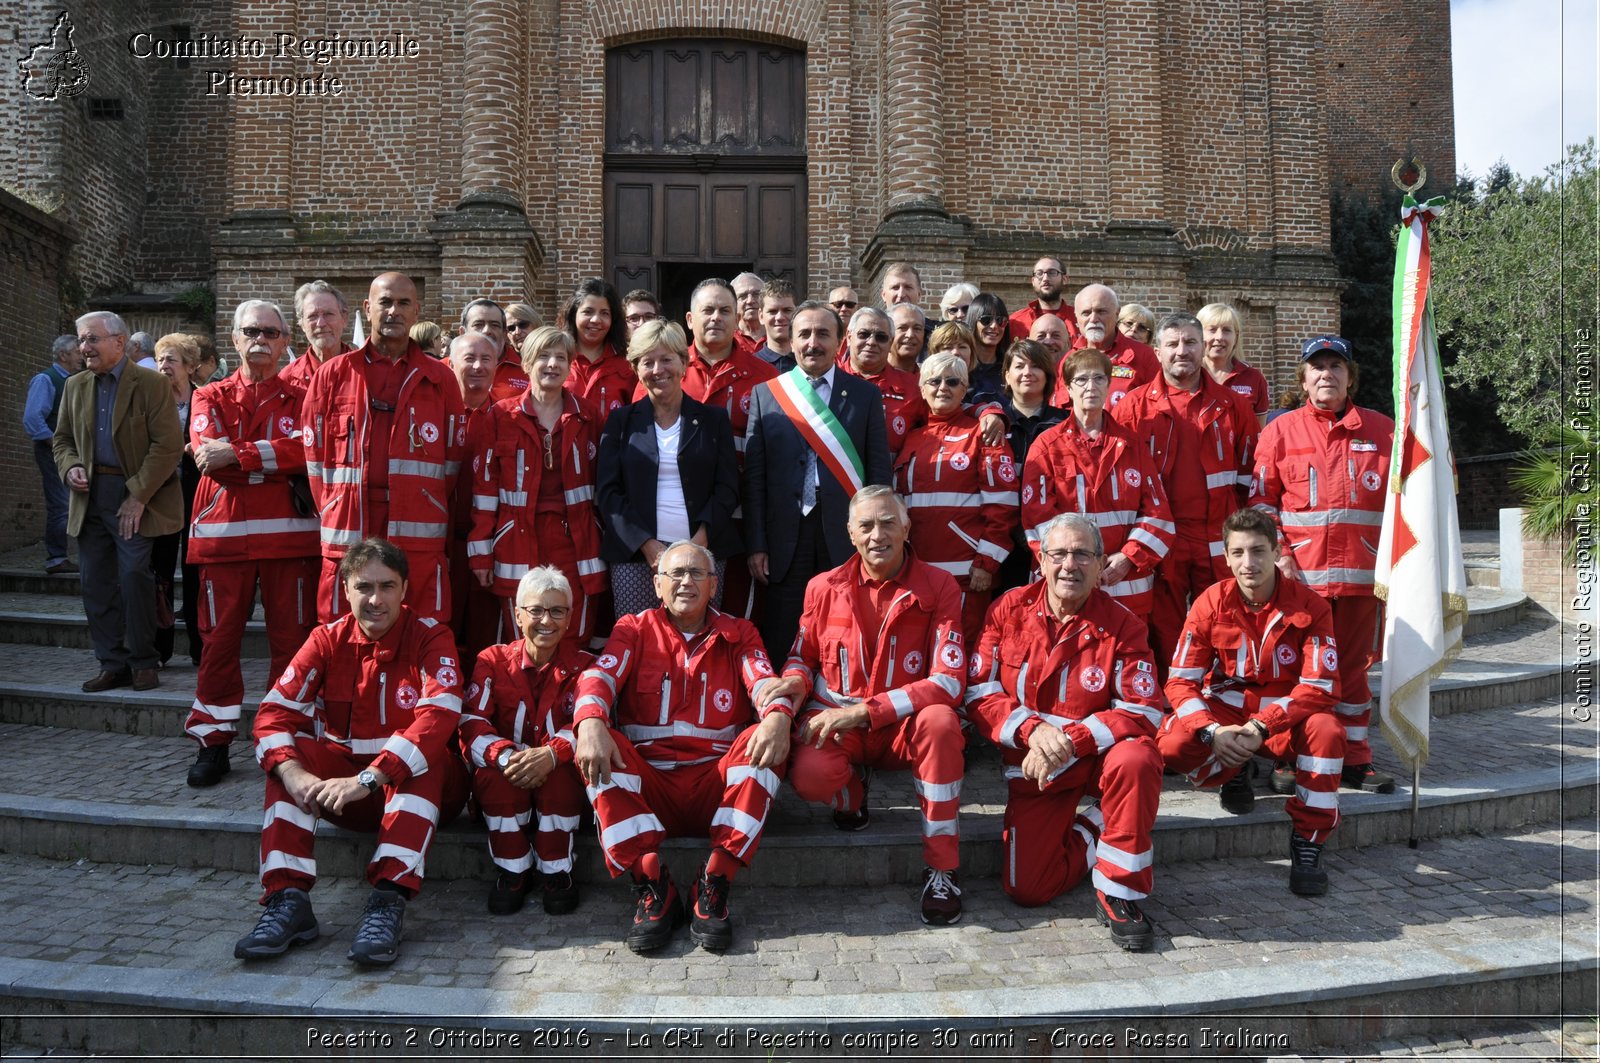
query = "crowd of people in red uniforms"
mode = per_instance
[{"x": 626, "y": 570}]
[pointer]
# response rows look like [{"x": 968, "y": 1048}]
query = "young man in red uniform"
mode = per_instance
[
  {"x": 516, "y": 735},
  {"x": 357, "y": 730},
  {"x": 1256, "y": 673},
  {"x": 880, "y": 657},
  {"x": 1063, "y": 683},
  {"x": 1321, "y": 471},
  {"x": 244, "y": 432},
  {"x": 1202, "y": 439},
  {"x": 385, "y": 430},
  {"x": 1049, "y": 281},
  {"x": 668, "y": 747}
]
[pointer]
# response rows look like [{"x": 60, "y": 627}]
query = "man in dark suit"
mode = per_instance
[
  {"x": 117, "y": 444},
  {"x": 800, "y": 471}
]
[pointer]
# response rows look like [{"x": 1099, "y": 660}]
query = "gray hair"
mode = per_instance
[
  {"x": 107, "y": 320},
  {"x": 536, "y": 581},
  {"x": 750, "y": 276},
  {"x": 940, "y": 363},
  {"x": 957, "y": 292},
  {"x": 1179, "y": 320},
  {"x": 141, "y": 344},
  {"x": 661, "y": 558},
  {"x": 874, "y": 314},
  {"x": 871, "y": 491},
  {"x": 255, "y": 304},
  {"x": 923, "y": 314},
  {"x": 317, "y": 287},
  {"x": 63, "y": 344},
  {"x": 1073, "y": 522}
]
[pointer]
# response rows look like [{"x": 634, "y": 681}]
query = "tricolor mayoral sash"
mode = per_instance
[{"x": 819, "y": 428}]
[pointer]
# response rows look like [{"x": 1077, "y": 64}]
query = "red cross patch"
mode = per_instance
[
  {"x": 1285, "y": 654},
  {"x": 1132, "y": 477},
  {"x": 913, "y": 662},
  {"x": 951, "y": 656},
  {"x": 1093, "y": 679},
  {"x": 723, "y": 700},
  {"x": 428, "y": 431},
  {"x": 287, "y": 426},
  {"x": 405, "y": 696},
  {"x": 959, "y": 461}
]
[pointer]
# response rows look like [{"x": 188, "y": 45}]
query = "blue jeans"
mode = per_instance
[{"x": 55, "y": 502}]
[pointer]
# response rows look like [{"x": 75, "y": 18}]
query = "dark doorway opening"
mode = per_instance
[{"x": 675, "y": 281}]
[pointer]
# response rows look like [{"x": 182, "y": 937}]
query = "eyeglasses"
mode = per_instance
[
  {"x": 944, "y": 382},
  {"x": 1090, "y": 380},
  {"x": 253, "y": 333},
  {"x": 868, "y": 335},
  {"x": 1045, "y": 274},
  {"x": 952, "y": 311},
  {"x": 1061, "y": 557},
  {"x": 678, "y": 575},
  {"x": 844, "y": 304},
  {"x": 557, "y": 613},
  {"x": 639, "y": 319},
  {"x": 91, "y": 339},
  {"x": 989, "y": 320}
]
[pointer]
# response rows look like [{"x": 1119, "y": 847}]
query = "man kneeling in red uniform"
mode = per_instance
[
  {"x": 1063, "y": 682},
  {"x": 1256, "y": 672},
  {"x": 677, "y": 685},
  {"x": 516, "y": 733},
  {"x": 880, "y": 655},
  {"x": 357, "y": 730}
]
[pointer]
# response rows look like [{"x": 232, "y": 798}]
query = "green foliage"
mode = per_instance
[
  {"x": 1556, "y": 482},
  {"x": 200, "y": 302},
  {"x": 1514, "y": 281}
]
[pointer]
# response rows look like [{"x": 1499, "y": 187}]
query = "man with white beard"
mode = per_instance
[{"x": 1132, "y": 363}]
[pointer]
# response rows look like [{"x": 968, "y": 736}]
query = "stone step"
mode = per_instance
[
  {"x": 1512, "y": 664},
  {"x": 1406, "y": 942},
  {"x": 1483, "y": 573},
  {"x": 1492, "y": 609},
  {"x": 58, "y": 620},
  {"x": 127, "y": 801}
]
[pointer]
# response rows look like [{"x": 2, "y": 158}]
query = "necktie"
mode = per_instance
[{"x": 808, "y": 489}]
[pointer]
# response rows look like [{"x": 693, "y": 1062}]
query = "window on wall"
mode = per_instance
[{"x": 105, "y": 108}]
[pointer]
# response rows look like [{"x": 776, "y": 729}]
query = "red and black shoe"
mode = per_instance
[
  {"x": 1363, "y": 777},
  {"x": 709, "y": 923},
  {"x": 1128, "y": 924},
  {"x": 659, "y": 913}
]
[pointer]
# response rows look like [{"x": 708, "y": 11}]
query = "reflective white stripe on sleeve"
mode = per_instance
[
  {"x": 269, "y": 457},
  {"x": 1222, "y": 479},
  {"x": 1190, "y": 707},
  {"x": 406, "y": 750},
  {"x": 1008, "y": 730},
  {"x": 273, "y": 741},
  {"x": 420, "y": 807},
  {"x": 900, "y": 701},
  {"x": 1157, "y": 547},
  {"x": 1103, "y": 738}
]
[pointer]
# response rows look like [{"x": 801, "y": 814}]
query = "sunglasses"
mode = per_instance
[
  {"x": 868, "y": 335},
  {"x": 253, "y": 333},
  {"x": 989, "y": 320},
  {"x": 842, "y": 305},
  {"x": 517, "y": 326},
  {"x": 944, "y": 381}
]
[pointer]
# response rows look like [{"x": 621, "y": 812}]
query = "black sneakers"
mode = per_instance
[
  {"x": 1239, "y": 793},
  {"x": 1283, "y": 779},
  {"x": 857, "y": 820},
  {"x": 209, "y": 766},
  {"x": 287, "y": 920},
  {"x": 560, "y": 893},
  {"x": 509, "y": 892},
  {"x": 377, "y": 940},
  {"x": 941, "y": 897},
  {"x": 1306, "y": 876},
  {"x": 659, "y": 913},
  {"x": 1362, "y": 777},
  {"x": 709, "y": 923},
  {"x": 1129, "y": 927}
]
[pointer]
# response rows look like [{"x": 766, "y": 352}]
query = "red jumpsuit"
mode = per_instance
[
  {"x": 245, "y": 533},
  {"x": 383, "y": 461},
  {"x": 1022, "y": 320},
  {"x": 510, "y": 379},
  {"x": 607, "y": 383},
  {"x": 1202, "y": 444},
  {"x": 475, "y": 611},
  {"x": 1322, "y": 475},
  {"x": 300, "y": 370},
  {"x": 346, "y": 703},
  {"x": 1133, "y": 365},
  {"x": 896, "y": 646},
  {"x": 1112, "y": 479},
  {"x": 1279, "y": 665},
  {"x": 1091, "y": 676},
  {"x": 681, "y": 714},
  {"x": 1248, "y": 382},
  {"x": 904, "y": 410},
  {"x": 514, "y": 704},
  {"x": 533, "y": 504},
  {"x": 962, "y": 495}
]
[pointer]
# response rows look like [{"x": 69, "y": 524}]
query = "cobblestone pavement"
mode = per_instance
[
  {"x": 1454, "y": 895},
  {"x": 1521, "y": 1039}
]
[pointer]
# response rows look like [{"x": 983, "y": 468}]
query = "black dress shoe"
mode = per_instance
[
  {"x": 209, "y": 766},
  {"x": 108, "y": 680},
  {"x": 145, "y": 679}
]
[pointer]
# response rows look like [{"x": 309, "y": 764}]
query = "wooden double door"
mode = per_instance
[{"x": 705, "y": 165}]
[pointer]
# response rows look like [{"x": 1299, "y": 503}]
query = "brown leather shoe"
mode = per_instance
[
  {"x": 146, "y": 679},
  {"x": 108, "y": 680}
]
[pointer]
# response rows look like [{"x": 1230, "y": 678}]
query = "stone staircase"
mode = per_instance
[{"x": 126, "y": 891}]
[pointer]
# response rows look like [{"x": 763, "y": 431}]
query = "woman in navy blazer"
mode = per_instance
[{"x": 667, "y": 471}]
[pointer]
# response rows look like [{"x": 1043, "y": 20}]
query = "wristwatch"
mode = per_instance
[
  {"x": 1260, "y": 727},
  {"x": 503, "y": 761},
  {"x": 369, "y": 779},
  {"x": 1207, "y": 734}
]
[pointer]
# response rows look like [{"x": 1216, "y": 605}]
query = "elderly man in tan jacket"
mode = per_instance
[{"x": 117, "y": 445}]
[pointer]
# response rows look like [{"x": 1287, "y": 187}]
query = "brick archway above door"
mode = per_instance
[{"x": 705, "y": 159}]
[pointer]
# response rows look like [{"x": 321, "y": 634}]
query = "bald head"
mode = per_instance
[
  {"x": 1096, "y": 308},
  {"x": 392, "y": 307},
  {"x": 472, "y": 358},
  {"x": 1050, "y": 332}
]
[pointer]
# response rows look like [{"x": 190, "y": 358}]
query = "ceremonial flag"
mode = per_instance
[
  {"x": 1419, "y": 568},
  {"x": 358, "y": 337}
]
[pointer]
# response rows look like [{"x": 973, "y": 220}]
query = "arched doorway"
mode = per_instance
[{"x": 705, "y": 167}]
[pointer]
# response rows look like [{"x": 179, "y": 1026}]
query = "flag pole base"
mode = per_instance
[{"x": 1416, "y": 799}]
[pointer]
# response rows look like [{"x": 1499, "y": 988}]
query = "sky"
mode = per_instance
[{"x": 1520, "y": 95}]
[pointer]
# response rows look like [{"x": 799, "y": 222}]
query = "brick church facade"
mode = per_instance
[{"x": 1182, "y": 153}]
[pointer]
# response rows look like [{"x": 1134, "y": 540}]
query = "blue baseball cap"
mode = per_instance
[{"x": 1333, "y": 344}]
